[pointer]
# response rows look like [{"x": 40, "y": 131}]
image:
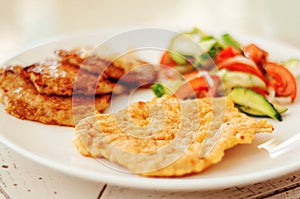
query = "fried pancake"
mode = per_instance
[
  {"x": 56, "y": 77},
  {"x": 23, "y": 101},
  {"x": 127, "y": 68},
  {"x": 166, "y": 137}
]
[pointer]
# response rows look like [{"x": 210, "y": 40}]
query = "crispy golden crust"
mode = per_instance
[
  {"x": 165, "y": 137},
  {"x": 22, "y": 100},
  {"x": 56, "y": 77}
]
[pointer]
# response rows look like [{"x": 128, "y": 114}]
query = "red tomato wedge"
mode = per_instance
[
  {"x": 198, "y": 86},
  {"x": 242, "y": 64},
  {"x": 227, "y": 53},
  {"x": 256, "y": 54},
  {"x": 261, "y": 91},
  {"x": 282, "y": 80},
  {"x": 167, "y": 60}
]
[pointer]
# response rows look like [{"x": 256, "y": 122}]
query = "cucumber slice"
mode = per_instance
[
  {"x": 210, "y": 47},
  {"x": 250, "y": 111},
  {"x": 206, "y": 45},
  {"x": 191, "y": 44},
  {"x": 253, "y": 112},
  {"x": 179, "y": 59},
  {"x": 253, "y": 101},
  {"x": 227, "y": 40},
  {"x": 233, "y": 79},
  {"x": 280, "y": 109},
  {"x": 185, "y": 45}
]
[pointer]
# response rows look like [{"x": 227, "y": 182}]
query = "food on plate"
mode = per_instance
[
  {"x": 167, "y": 136},
  {"x": 127, "y": 68},
  {"x": 62, "y": 91},
  {"x": 22, "y": 100},
  {"x": 234, "y": 64},
  {"x": 58, "y": 78},
  {"x": 281, "y": 80},
  {"x": 248, "y": 101}
]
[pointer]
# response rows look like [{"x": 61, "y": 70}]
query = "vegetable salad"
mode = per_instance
[{"x": 212, "y": 66}]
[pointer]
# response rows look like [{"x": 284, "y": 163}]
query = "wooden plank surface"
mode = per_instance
[
  {"x": 287, "y": 186},
  {"x": 22, "y": 178}
]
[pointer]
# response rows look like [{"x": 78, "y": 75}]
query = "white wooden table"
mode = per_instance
[{"x": 21, "y": 178}]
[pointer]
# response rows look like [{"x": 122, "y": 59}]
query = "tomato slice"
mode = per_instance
[
  {"x": 227, "y": 53},
  {"x": 258, "y": 55},
  {"x": 242, "y": 64},
  {"x": 167, "y": 60},
  {"x": 261, "y": 91},
  {"x": 197, "y": 86},
  {"x": 282, "y": 80}
]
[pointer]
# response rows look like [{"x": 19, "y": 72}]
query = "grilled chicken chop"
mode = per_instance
[
  {"x": 126, "y": 68},
  {"x": 22, "y": 100},
  {"x": 59, "y": 78},
  {"x": 47, "y": 91},
  {"x": 166, "y": 137}
]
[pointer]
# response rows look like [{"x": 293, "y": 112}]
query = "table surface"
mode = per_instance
[{"x": 22, "y": 178}]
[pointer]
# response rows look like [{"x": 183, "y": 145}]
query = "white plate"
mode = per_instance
[{"x": 52, "y": 147}]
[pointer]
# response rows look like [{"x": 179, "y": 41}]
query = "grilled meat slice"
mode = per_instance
[
  {"x": 126, "y": 68},
  {"x": 23, "y": 101},
  {"x": 59, "y": 78}
]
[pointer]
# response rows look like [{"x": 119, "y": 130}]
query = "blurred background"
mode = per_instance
[{"x": 24, "y": 23}]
